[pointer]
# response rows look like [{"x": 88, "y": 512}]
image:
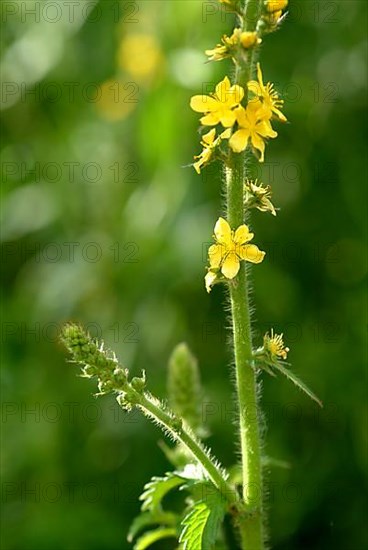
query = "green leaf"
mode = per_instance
[
  {"x": 289, "y": 374},
  {"x": 148, "y": 519},
  {"x": 201, "y": 524},
  {"x": 156, "y": 489},
  {"x": 153, "y": 536}
]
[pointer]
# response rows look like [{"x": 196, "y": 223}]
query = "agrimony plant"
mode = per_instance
[{"x": 237, "y": 122}]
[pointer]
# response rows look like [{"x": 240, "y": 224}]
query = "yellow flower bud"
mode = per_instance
[
  {"x": 249, "y": 39},
  {"x": 276, "y": 5}
]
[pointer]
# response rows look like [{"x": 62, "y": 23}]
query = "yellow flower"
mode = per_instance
[
  {"x": 209, "y": 143},
  {"x": 219, "y": 106},
  {"x": 208, "y": 147},
  {"x": 254, "y": 125},
  {"x": 231, "y": 247},
  {"x": 267, "y": 95},
  {"x": 232, "y": 40},
  {"x": 274, "y": 345},
  {"x": 249, "y": 39},
  {"x": 276, "y": 5},
  {"x": 257, "y": 196},
  {"x": 230, "y": 43},
  {"x": 272, "y": 20},
  {"x": 219, "y": 52}
]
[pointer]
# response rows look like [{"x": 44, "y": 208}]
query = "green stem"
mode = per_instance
[
  {"x": 150, "y": 407},
  {"x": 251, "y": 14},
  {"x": 251, "y": 525}
]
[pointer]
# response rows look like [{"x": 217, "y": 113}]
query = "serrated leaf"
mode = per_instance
[
  {"x": 156, "y": 489},
  {"x": 148, "y": 519},
  {"x": 201, "y": 524},
  {"x": 289, "y": 374},
  {"x": 153, "y": 536}
]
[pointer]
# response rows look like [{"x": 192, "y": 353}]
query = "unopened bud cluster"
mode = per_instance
[
  {"x": 184, "y": 387},
  {"x": 95, "y": 361}
]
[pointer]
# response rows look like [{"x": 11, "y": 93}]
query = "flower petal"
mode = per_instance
[
  {"x": 222, "y": 89},
  {"x": 241, "y": 116},
  {"x": 203, "y": 103},
  {"x": 254, "y": 87},
  {"x": 260, "y": 75},
  {"x": 226, "y": 134},
  {"x": 234, "y": 95},
  {"x": 197, "y": 166},
  {"x": 215, "y": 253},
  {"x": 227, "y": 118},
  {"x": 211, "y": 119},
  {"x": 231, "y": 265},
  {"x": 281, "y": 115},
  {"x": 222, "y": 232},
  {"x": 265, "y": 129},
  {"x": 243, "y": 235},
  {"x": 251, "y": 253},
  {"x": 258, "y": 144},
  {"x": 209, "y": 138},
  {"x": 256, "y": 110},
  {"x": 239, "y": 141}
]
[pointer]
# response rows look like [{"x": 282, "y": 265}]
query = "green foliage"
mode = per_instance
[
  {"x": 196, "y": 526},
  {"x": 156, "y": 489},
  {"x": 202, "y": 522},
  {"x": 270, "y": 366},
  {"x": 299, "y": 383},
  {"x": 147, "y": 519},
  {"x": 201, "y": 517},
  {"x": 150, "y": 537},
  {"x": 317, "y": 299}
]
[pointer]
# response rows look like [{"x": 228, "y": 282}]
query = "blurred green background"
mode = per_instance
[{"x": 103, "y": 222}]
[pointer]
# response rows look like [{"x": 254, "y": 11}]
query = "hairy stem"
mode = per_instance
[
  {"x": 252, "y": 12},
  {"x": 171, "y": 424},
  {"x": 97, "y": 362},
  {"x": 251, "y": 525}
]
